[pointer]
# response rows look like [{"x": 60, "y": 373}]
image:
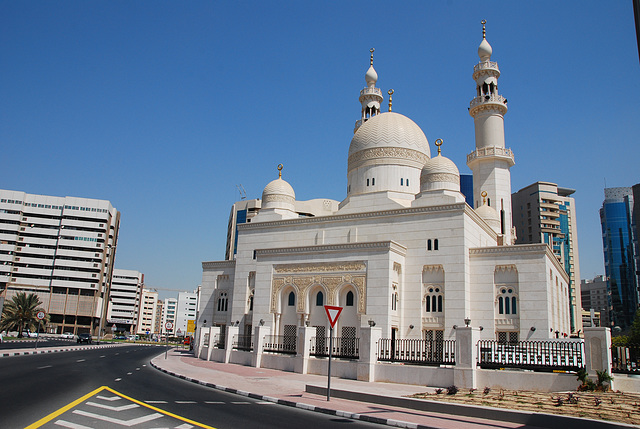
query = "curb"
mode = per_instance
[{"x": 301, "y": 405}]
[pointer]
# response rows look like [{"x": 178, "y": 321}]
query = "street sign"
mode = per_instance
[
  {"x": 333, "y": 313},
  {"x": 40, "y": 315},
  {"x": 168, "y": 326}
]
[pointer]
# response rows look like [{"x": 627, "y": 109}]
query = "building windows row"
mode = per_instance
[
  {"x": 432, "y": 245},
  {"x": 404, "y": 182},
  {"x": 291, "y": 299},
  {"x": 434, "y": 300},
  {"x": 373, "y": 182},
  {"x": 507, "y": 302},
  {"x": 223, "y": 302}
]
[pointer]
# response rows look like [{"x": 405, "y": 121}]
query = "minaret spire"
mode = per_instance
[
  {"x": 491, "y": 160},
  {"x": 370, "y": 97}
]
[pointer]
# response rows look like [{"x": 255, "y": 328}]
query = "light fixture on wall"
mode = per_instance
[
  {"x": 481, "y": 328},
  {"x": 533, "y": 329},
  {"x": 467, "y": 321},
  {"x": 410, "y": 326},
  {"x": 455, "y": 326},
  {"x": 261, "y": 322},
  {"x": 372, "y": 323},
  {"x": 237, "y": 323},
  {"x": 306, "y": 323},
  {"x": 204, "y": 323}
]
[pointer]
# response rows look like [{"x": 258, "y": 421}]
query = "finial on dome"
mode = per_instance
[
  {"x": 484, "y": 31},
  {"x": 280, "y": 167},
  {"x": 372, "y": 50},
  {"x": 438, "y": 144},
  {"x": 484, "y": 50},
  {"x": 484, "y": 197},
  {"x": 390, "y": 92}
]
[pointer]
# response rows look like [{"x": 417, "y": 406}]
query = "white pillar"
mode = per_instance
[
  {"x": 303, "y": 342},
  {"x": 597, "y": 342},
  {"x": 464, "y": 374},
  {"x": 213, "y": 332},
  {"x": 232, "y": 331},
  {"x": 258, "y": 344},
  {"x": 369, "y": 338}
]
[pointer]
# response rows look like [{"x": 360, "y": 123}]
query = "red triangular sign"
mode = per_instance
[{"x": 333, "y": 313}]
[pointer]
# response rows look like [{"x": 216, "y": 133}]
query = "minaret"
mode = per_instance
[
  {"x": 370, "y": 97},
  {"x": 490, "y": 161}
]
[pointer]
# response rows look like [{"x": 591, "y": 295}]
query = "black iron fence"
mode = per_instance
[
  {"x": 243, "y": 343},
  {"x": 280, "y": 344},
  {"x": 533, "y": 355},
  {"x": 342, "y": 347},
  {"x": 219, "y": 340},
  {"x": 420, "y": 352},
  {"x": 626, "y": 360}
]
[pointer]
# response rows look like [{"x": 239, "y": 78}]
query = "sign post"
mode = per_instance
[
  {"x": 332, "y": 313},
  {"x": 40, "y": 316},
  {"x": 168, "y": 326}
]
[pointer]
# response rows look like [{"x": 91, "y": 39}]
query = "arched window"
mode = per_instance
[
  {"x": 435, "y": 244},
  {"x": 407, "y": 182},
  {"x": 401, "y": 182},
  {"x": 251, "y": 303},
  {"x": 394, "y": 301},
  {"x": 507, "y": 301},
  {"x": 434, "y": 300},
  {"x": 320, "y": 299},
  {"x": 292, "y": 299},
  {"x": 349, "y": 299},
  {"x": 373, "y": 182},
  {"x": 429, "y": 244}
]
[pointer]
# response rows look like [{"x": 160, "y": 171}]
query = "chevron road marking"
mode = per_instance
[
  {"x": 109, "y": 398},
  {"x": 128, "y": 423},
  {"x": 110, "y": 408},
  {"x": 66, "y": 424}
]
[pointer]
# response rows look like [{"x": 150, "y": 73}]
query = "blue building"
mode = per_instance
[{"x": 620, "y": 254}]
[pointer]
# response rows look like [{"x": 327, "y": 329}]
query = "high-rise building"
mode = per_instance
[
  {"x": 595, "y": 296},
  {"x": 148, "y": 312},
  {"x": 157, "y": 327},
  {"x": 169, "y": 310},
  {"x": 543, "y": 212},
  {"x": 620, "y": 253},
  {"x": 124, "y": 300},
  {"x": 186, "y": 310},
  {"x": 63, "y": 249}
]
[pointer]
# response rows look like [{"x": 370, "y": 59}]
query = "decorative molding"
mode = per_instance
[
  {"x": 432, "y": 268},
  {"x": 413, "y": 156},
  {"x": 509, "y": 267},
  {"x": 439, "y": 177},
  {"x": 320, "y": 268},
  {"x": 212, "y": 265},
  {"x": 278, "y": 198},
  {"x": 386, "y": 246},
  {"x": 397, "y": 267}
]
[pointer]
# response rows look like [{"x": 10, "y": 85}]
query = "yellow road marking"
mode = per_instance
[{"x": 66, "y": 408}]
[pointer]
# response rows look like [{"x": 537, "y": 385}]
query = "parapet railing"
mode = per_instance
[
  {"x": 626, "y": 360},
  {"x": 342, "y": 347},
  {"x": 419, "y": 352},
  {"x": 280, "y": 344},
  {"x": 534, "y": 355}
]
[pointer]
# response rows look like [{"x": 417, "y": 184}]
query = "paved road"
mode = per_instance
[
  {"x": 116, "y": 387},
  {"x": 30, "y": 343}
]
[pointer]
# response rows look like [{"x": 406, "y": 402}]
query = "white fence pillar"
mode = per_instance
[
  {"x": 464, "y": 374},
  {"x": 232, "y": 331},
  {"x": 258, "y": 344},
  {"x": 303, "y": 342},
  {"x": 369, "y": 337},
  {"x": 214, "y": 331},
  {"x": 597, "y": 343}
]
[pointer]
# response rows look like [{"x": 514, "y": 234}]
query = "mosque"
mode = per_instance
[{"x": 403, "y": 251}]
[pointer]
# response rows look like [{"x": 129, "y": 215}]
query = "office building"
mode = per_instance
[
  {"x": 187, "y": 308},
  {"x": 169, "y": 313},
  {"x": 403, "y": 249},
  {"x": 124, "y": 301},
  {"x": 148, "y": 313},
  {"x": 63, "y": 249},
  {"x": 596, "y": 297},
  {"x": 543, "y": 212},
  {"x": 620, "y": 254}
]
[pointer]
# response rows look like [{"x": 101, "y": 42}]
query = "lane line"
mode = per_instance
[
  {"x": 214, "y": 402},
  {"x": 117, "y": 379},
  {"x": 46, "y": 366},
  {"x": 156, "y": 402},
  {"x": 70, "y": 425},
  {"x": 186, "y": 402}
]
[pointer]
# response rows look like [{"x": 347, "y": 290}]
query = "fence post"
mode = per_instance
[
  {"x": 213, "y": 331},
  {"x": 369, "y": 337},
  {"x": 464, "y": 373},
  {"x": 597, "y": 353},
  {"x": 232, "y": 331},
  {"x": 302, "y": 348},
  {"x": 258, "y": 344}
]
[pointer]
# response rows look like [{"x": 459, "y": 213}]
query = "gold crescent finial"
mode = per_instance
[
  {"x": 438, "y": 144},
  {"x": 390, "y": 92},
  {"x": 484, "y": 32},
  {"x": 484, "y": 197},
  {"x": 372, "y": 50},
  {"x": 280, "y": 167}
]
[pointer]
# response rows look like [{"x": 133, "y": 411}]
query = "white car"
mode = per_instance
[
  {"x": 28, "y": 334},
  {"x": 67, "y": 336}
]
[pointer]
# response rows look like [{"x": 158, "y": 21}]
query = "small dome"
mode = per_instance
[
  {"x": 439, "y": 173},
  {"x": 389, "y": 130},
  {"x": 489, "y": 215},
  {"x": 439, "y": 165},
  {"x": 278, "y": 194},
  {"x": 371, "y": 76},
  {"x": 485, "y": 50}
]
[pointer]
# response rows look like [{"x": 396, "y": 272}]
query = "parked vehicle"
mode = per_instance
[
  {"x": 85, "y": 338},
  {"x": 67, "y": 336}
]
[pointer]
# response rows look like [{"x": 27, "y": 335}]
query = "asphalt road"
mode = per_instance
[
  {"x": 37, "y": 386},
  {"x": 31, "y": 343}
]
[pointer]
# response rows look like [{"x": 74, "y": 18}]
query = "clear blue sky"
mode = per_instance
[{"x": 164, "y": 107}]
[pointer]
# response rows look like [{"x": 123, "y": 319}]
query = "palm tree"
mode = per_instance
[{"x": 20, "y": 313}]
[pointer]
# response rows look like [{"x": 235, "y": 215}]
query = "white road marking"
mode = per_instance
[
  {"x": 184, "y": 426},
  {"x": 129, "y": 373},
  {"x": 110, "y": 398},
  {"x": 110, "y": 408},
  {"x": 66, "y": 424},
  {"x": 129, "y": 423},
  {"x": 44, "y": 367},
  {"x": 265, "y": 403},
  {"x": 144, "y": 365},
  {"x": 137, "y": 369},
  {"x": 155, "y": 402},
  {"x": 102, "y": 356},
  {"x": 80, "y": 360},
  {"x": 213, "y": 402},
  {"x": 117, "y": 379},
  {"x": 239, "y": 402},
  {"x": 186, "y": 402}
]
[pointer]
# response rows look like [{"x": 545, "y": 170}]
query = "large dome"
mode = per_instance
[{"x": 389, "y": 135}]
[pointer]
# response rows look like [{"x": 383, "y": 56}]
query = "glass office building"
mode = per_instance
[{"x": 618, "y": 235}]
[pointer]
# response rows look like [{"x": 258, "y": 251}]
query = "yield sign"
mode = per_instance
[{"x": 333, "y": 313}]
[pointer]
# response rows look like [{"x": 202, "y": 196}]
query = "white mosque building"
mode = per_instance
[{"x": 403, "y": 250}]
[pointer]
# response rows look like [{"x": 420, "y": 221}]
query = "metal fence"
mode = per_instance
[
  {"x": 533, "y": 355},
  {"x": 242, "y": 342},
  {"x": 420, "y": 352},
  {"x": 218, "y": 341},
  {"x": 280, "y": 344},
  {"x": 626, "y": 360},
  {"x": 342, "y": 347}
]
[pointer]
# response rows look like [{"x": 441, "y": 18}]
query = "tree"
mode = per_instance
[
  {"x": 634, "y": 334},
  {"x": 20, "y": 313}
]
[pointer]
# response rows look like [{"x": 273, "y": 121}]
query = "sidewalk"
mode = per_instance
[{"x": 384, "y": 403}]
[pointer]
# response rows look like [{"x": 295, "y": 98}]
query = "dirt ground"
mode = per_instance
[{"x": 612, "y": 406}]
